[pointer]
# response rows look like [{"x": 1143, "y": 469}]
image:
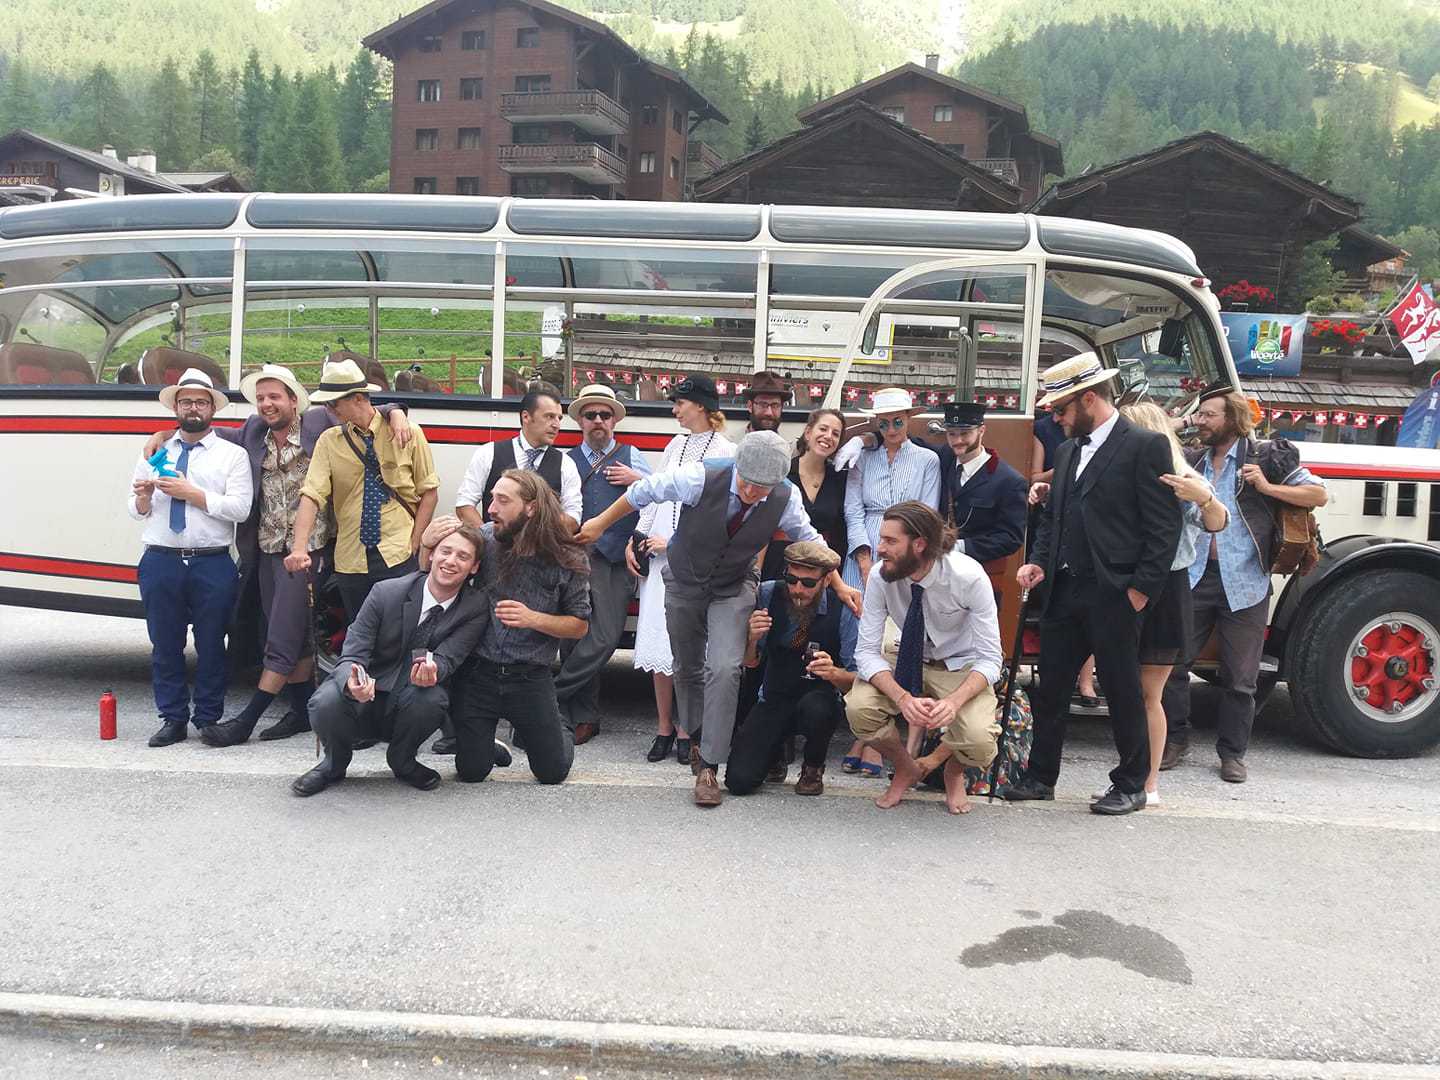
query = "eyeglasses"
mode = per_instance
[
  {"x": 194, "y": 403},
  {"x": 897, "y": 423},
  {"x": 596, "y": 414},
  {"x": 808, "y": 582}
]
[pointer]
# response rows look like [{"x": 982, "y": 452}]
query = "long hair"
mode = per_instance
[
  {"x": 1238, "y": 413},
  {"x": 1151, "y": 417},
  {"x": 923, "y": 523},
  {"x": 543, "y": 535},
  {"x": 811, "y": 421}
]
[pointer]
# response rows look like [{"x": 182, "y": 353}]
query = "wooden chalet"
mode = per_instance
[
  {"x": 1245, "y": 216},
  {"x": 1371, "y": 264},
  {"x": 856, "y": 155}
]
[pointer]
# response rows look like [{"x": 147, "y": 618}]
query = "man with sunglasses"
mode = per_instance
[
  {"x": 607, "y": 468},
  {"x": 809, "y": 655}
]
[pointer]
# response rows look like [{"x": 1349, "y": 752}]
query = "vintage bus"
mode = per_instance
[{"x": 470, "y": 299}]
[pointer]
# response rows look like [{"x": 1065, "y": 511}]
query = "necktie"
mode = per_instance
[
  {"x": 177, "y": 506},
  {"x": 426, "y": 627},
  {"x": 374, "y": 496},
  {"x": 736, "y": 520},
  {"x": 533, "y": 455},
  {"x": 909, "y": 658}
]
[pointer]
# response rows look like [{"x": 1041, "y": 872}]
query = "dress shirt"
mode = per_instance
[
  {"x": 428, "y": 601},
  {"x": 472, "y": 487},
  {"x": 218, "y": 468},
  {"x": 969, "y": 468},
  {"x": 1097, "y": 440},
  {"x": 961, "y": 625},
  {"x": 685, "y": 484}
]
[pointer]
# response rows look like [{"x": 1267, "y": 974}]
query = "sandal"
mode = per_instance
[
  {"x": 850, "y": 764},
  {"x": 871, "y": 769}
]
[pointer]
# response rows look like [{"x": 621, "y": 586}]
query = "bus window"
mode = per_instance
[
  {"x": 435, "y": 344},
  {"x": 53, "y": 322}
]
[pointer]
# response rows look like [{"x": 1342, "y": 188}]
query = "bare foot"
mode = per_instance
[
  {"x": 904, "y": 778},
  {"x": 958, "y": 802}
]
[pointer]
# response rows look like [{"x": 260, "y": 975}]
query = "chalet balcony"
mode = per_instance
[
  {"x": 590, "y": 110},
  {"x": 1003, "y": 167},
  {"x": 702, "y": 159},
  {"x": 584, "y": 161}
]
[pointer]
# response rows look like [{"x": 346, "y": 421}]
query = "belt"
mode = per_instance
[
  {"x": 186, "y": 553},
  {"x": 504, "y": 670}
]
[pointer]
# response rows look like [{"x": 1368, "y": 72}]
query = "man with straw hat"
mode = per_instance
[
  {"x": 189, "y": 505},
  {"x": 1105, "y": 544}
]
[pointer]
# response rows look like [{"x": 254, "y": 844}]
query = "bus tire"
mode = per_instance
[{"x": 1363, "y": 673}]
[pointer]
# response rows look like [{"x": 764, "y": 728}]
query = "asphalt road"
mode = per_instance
[{"x": 1286, "y": 918}]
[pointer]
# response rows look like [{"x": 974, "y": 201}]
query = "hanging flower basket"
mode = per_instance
[
  {"x": 1257, "y": 297},
  {"x": 1331, "y": 334}
]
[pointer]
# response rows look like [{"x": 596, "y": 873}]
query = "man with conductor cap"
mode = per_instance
[
  {"x": 980, "y": 495},
  {"x": 731, "y": 510}
]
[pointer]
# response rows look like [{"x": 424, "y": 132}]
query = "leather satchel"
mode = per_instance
[{"x": 1297, "y": 540}]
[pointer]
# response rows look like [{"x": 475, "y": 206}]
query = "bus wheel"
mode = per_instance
[{"x": 1367, "y": 666}]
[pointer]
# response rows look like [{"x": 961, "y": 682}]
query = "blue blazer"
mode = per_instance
[{"x": 989, "y": 511}]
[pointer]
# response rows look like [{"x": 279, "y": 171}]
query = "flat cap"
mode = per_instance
[{"x": 812, "y": 553}]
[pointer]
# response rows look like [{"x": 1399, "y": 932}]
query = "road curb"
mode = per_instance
[{"x": 593, "y": 1045}]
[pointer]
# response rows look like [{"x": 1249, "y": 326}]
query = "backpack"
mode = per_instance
[{"x": 1018, "y": 735}]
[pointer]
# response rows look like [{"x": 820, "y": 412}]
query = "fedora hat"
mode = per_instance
[
  {"x": 340, "y": 378},
  {"x": 596, "y": 393},
  {"x": 767, "y": 382},
  {"x": 284, "y": 376},
  {"x": 1072, "y": 376},
  {"x": 193, "y": 377},
  {"x": 892, "y": 400}
]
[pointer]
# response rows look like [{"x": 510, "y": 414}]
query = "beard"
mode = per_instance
[
  {"x": 764, "y": 423},
  {"x": 506, "y": 534},
  {"x": 1218, "y": 437},
  {"x": 193, "y": 424},
  {"x": 899, "y": 568}
]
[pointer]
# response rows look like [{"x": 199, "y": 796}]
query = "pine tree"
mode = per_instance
[
  {"x": 358, "y": 104},
  {"x": 253, "y": 107},
  {"x": 754, "y": 133},
  {"x": 102, "y": 114},
  {"x": 172, "y": 119},
  {"x": 207, "y": 94},
  {"x": 19, "y": 105},
  {"x": 317, "y": 139},
  {"x": 274, "y": 171}
]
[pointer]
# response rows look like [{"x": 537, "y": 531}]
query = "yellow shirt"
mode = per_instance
[{"x": 336, "y": 472}]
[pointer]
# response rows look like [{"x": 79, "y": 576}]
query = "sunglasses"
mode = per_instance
[
  {"x": 808, "y": 582},
  {"x": 897, "y": 423},
  {"x": 597, "y": 414}
]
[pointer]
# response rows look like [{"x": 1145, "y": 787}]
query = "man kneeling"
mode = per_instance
[
  {"x": 411, "y": 634},
  {"x": 807, "y": 641},
  {"x": 948, "y": 657}
]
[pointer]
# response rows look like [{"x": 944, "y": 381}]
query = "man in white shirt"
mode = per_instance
[
  {"x": 941, "y": 674},
  {"x": 190, "y": 507},
  {"x": 534, "y": 448}
]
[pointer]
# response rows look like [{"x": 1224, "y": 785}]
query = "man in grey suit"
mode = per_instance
[{"x": 411, "y": 634}]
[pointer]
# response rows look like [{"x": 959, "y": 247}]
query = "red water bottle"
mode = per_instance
[{"x": 107, "y": 715}]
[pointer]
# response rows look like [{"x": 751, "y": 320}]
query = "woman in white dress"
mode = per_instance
[{"x": 697, "y": 408}]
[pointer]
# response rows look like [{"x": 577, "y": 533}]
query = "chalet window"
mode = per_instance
[
  {"x": 677, "y": 120},
  {"x": 647, "y": 162},
  {"x": 430, "y": 43},
  {"x": 944, "y": 114},
  {"x": 427, "y": 138},
  {"x": 527, "y": 37},
  {"x": 649, "y": 114},
  {"x": 426, "y": 185},
  {"x": 469, "y": 139},
  {"x": 532, "y": 84},
  {"x": 1374, "y": 501},
  {"x": 472, "y": 40},
  {"x": 530, "y": 185},
  {"x": 427, "y": 90},
  {"x": 467, "y": 185},
  {"x": 1405, "y": 500},
  {"x": 471, "y": 89},
  {"x": 894, "y": 112},
  {"x": 531, "y": 134},
  {"x": 674, "y": 168}
]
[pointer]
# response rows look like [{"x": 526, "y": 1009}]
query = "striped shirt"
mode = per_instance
[{"x": 876, "y": 483}]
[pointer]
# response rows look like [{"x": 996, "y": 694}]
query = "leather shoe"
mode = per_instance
[
  {"x": 1028, "y": 789},
  {"x": 419, "y": 776},
  {"x": 1233, "y": 771},
  {"x": 1118, "y": 802},
  {"x": 682, "y": 751},
  {"x": 443, "y": 745},
  {"x": 1173, "y": 755},
  {"x": 778, "y": 771},
  {"x": 707, "y": 788},
  {"x": 503, "y": 757},
  {"x": 227, "y": 733},
  {"x": 585, "y": 731},
  {"x": 812, "y": 780},
  {"x": 287, "y": 725},
  {"x": 660, "y": 748},
  {"x": 315, "y": 781},
  {"x": 171, "y": 731}
]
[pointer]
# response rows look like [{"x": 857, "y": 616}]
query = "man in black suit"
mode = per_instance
[
  {"x": 411, "y": 634},
  {"x": 983, "y": 497},
  {"x": 1105, "y": 542}
]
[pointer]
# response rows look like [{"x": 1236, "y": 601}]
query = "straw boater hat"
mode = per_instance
[
  {"x": 1068, "y": 377},
  {"x": 892, "y": 400},
  {"x": 340, "y": 378},
  {"x": 284, "y": 376},
  {"x": 193, "y": 377},
  {"x": 596, "y": 394}
]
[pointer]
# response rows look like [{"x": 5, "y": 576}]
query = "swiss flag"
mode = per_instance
[
  {"x": 1361, "y": 420},
  {"x": 1338, "y": 418},
  {"x": 1321, "y": 419},
  {"x": 720, "y": 387}
]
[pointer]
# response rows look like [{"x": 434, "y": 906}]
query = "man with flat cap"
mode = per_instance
[
  {"x": 731, "y": 509},
  {"x": 808, "y": 650},
  {"x": 980, "y": 495}
]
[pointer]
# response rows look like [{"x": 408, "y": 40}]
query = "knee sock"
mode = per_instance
[
  {"x": 258, "y": 704},
  {"x": 299, "y": 695}
]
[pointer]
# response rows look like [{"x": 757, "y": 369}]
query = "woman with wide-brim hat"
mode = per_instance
[{"x": 895, "y": 471}]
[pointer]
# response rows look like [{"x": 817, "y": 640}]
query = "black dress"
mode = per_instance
[{"x": 827, "y": 514}]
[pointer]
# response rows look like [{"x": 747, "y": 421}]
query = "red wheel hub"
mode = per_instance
[{"x": 1392, "y": 666}]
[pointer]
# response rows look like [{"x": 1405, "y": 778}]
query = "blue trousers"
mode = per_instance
[{"x": 180, "y": 594}]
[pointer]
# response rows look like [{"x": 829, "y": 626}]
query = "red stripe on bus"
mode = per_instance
[
  {"x": 75, "y": 568},
  {"x": 1373, "y": 472},
  {"x": 447, "y": 434}
]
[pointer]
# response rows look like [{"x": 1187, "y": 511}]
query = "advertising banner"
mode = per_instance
[
  {"x": 1265, "y": 344},
  {"x": 1420, "y": 426},
  {"x": 821, "y": 335}
]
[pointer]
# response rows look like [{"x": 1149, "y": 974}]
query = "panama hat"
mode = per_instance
[
  {"x": 1068, "y": 377},
  {"x": 892, "y": 400},
  {"x": 596, "y": 393},
  {"x": 340, "y": 378},
  {"x": 284, "y": 376},
  {"x": 193, "y": 377}
]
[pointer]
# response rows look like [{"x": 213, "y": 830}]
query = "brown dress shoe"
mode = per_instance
[
  {"x": 695, "y": 757},
  {"x": 812, "y": 780},
  {"x": 1233, "y": 771},
  {"x": 707, "y": 788},
  {"x": 1174, "y": 754},
  {"x": 778, "y": 771},
  {"x": 584, "y": 732}
]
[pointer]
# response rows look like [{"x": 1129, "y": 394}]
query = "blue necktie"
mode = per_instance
[
  {"x": 177, "y": 506},
  {"x": 375, "y": 496},
  {"x": 910, "y": 657},
  {"x": 533, "y": 455}
]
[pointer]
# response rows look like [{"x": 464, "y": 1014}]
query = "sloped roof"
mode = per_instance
[
  {"x": 859, "y": 110},
  {"x": 91, "y": 157}
]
